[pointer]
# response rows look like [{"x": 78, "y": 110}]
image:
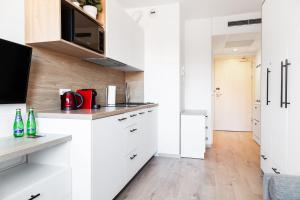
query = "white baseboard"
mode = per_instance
[{"x": 168, "y": 155}]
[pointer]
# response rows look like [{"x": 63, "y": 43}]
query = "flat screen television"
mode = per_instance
[{"x": 15, "y": 61}]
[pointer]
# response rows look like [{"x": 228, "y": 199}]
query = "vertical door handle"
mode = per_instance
[
  {"x": 268, "y": 76},
  {"x": 281, "y": 85},
  {"x": 287, "y": 64}
]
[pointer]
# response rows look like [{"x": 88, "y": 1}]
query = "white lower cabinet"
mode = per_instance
[
  {"x": 107, "y": 153},
  {"x": 120, "y": 151},
  {"x": 56, "y": 187},
  {"x": 133, "y": 164}
]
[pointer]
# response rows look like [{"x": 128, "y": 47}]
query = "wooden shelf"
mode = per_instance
[
  {"x": 68, "y": 48},
  {"x": 98, "y": 20}
]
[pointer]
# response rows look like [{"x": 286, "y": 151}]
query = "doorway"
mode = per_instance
[
  {"x": 235, "y": 61},
  {"x": 233, "y": 94}
]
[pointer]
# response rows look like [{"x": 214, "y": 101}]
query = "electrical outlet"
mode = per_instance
[{"x": 62, "y": 91}]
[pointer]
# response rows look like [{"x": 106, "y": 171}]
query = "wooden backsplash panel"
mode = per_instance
[
  {"x": 51, "y": 71},
  {"x": 135, "y": 81}
]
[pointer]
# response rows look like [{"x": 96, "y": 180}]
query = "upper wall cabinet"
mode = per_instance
[
  {"x": 114, "y": 39},
  {"x": 124, "y": 37}
]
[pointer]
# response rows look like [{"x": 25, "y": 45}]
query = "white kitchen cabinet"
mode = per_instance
[
  {"x": 279, "y": 121},
  {"x": 106, "y": 153},
  {"x": 108, "y": 158},
  {"x": 124, "y": 37},
  {"x": 256, "y": 131},
  {"x": 256, "y": 122},
  {"x": 293, "y": 82},
  {"x": 51, "y": 182},
  {"x": 193, "y": 133},
  {"x": 45, "y": 174},
  {"x": 257, "y": 83}
]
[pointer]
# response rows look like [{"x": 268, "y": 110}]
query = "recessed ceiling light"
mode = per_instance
[{"x": 235, "y": 50}]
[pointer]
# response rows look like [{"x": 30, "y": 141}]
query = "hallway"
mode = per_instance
[{"x": 230, "y": 172}]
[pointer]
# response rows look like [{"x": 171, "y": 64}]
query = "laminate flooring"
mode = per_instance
[{"x": 230, "y": 171}]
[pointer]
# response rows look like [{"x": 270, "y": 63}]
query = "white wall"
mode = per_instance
[
  {"x": 258, "y": 57},
  {"x": 11, "y": 28},
  {"x": 162, "y": 65},
  {"x": 198, "y": 68}
]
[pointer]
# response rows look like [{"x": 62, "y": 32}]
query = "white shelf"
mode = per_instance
[
  {"x": 11, "y": 147},
  {"x": 19, "y": 178}
]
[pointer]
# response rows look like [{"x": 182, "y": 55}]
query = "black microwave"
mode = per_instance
[{"x": 80, "y": 29}]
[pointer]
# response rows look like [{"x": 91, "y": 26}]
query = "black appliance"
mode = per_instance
[
  {"x": 89, "y": 98},
  {"x": 81, "y": 29},
  {"x": 15, "y": 62}
]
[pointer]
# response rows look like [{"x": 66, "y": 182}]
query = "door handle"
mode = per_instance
[
  {"x": 264, "y": 157},
  {"x": 133, "y": 157},
  {"x": 281, "y": 85},
  {"x": 275, "y": 170},
  {"x": 268, "y": 76},
  {"x": 122, "y": 119},
  {"x": 133, "y": 130},
  {"x": 287, "y": 64},
  {"x": 34, "y": 196}
]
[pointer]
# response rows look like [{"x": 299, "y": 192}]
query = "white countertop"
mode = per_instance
[
  {"x": 11, "y": 147},
  {"x": 194, "y": 112},
  {"x": 91, "y": 114}
]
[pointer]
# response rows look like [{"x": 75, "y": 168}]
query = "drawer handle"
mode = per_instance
[
  {"x": 149, "y": 111},
  {"x": 142, "y": 113},
  {"x": 34, "y": 196},
  {"x": 122, "y": 119},
  {"x": 275, "y": 170},
  {"x": 264, "y": 157},
  {"x": 133, "y": 157},
  {"x": 133, "y": 130},
  {"x": 134, "y": 115}
]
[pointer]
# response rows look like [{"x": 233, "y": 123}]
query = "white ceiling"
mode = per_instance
[
  {"x": 243, "y": 44},
  {"x": 202, "y": 8}
]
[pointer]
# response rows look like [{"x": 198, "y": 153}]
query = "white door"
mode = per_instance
[
  {"x": 293, "y": 94},
  {"x": 233, "y": 95},
  {"x": 273, "y": 115}
]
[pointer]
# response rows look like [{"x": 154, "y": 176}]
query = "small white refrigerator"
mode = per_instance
[{"x": 193, "y": 134}]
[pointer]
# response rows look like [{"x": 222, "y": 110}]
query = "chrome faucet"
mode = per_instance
[{"x": 127, "y": 95}]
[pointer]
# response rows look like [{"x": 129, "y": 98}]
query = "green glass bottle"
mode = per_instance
[
  {"x": 31, "y": 124},
  {"x": 18, "y": 124}
]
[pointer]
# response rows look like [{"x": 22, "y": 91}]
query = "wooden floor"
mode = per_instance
[{"x": 229, "y": 172}]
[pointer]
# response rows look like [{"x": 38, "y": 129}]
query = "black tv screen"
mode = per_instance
[{"x": 15, "y": 60}]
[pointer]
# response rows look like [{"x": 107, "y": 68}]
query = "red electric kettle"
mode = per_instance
[{"x": 71, "y": 101}]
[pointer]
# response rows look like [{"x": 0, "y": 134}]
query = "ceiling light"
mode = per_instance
[{"x": 235, "y": 50}]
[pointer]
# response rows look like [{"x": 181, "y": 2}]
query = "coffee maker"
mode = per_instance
[{"x": 89, "y": 98}]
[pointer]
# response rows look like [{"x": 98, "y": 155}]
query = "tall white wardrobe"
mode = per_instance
[{"x": 280, "y": 87}]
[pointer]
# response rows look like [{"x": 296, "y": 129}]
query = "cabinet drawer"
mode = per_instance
[
  {"x": 132, "y": 135},
  {"x": 132, "y": 164},
  {"x": 56, "y": 187}
]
